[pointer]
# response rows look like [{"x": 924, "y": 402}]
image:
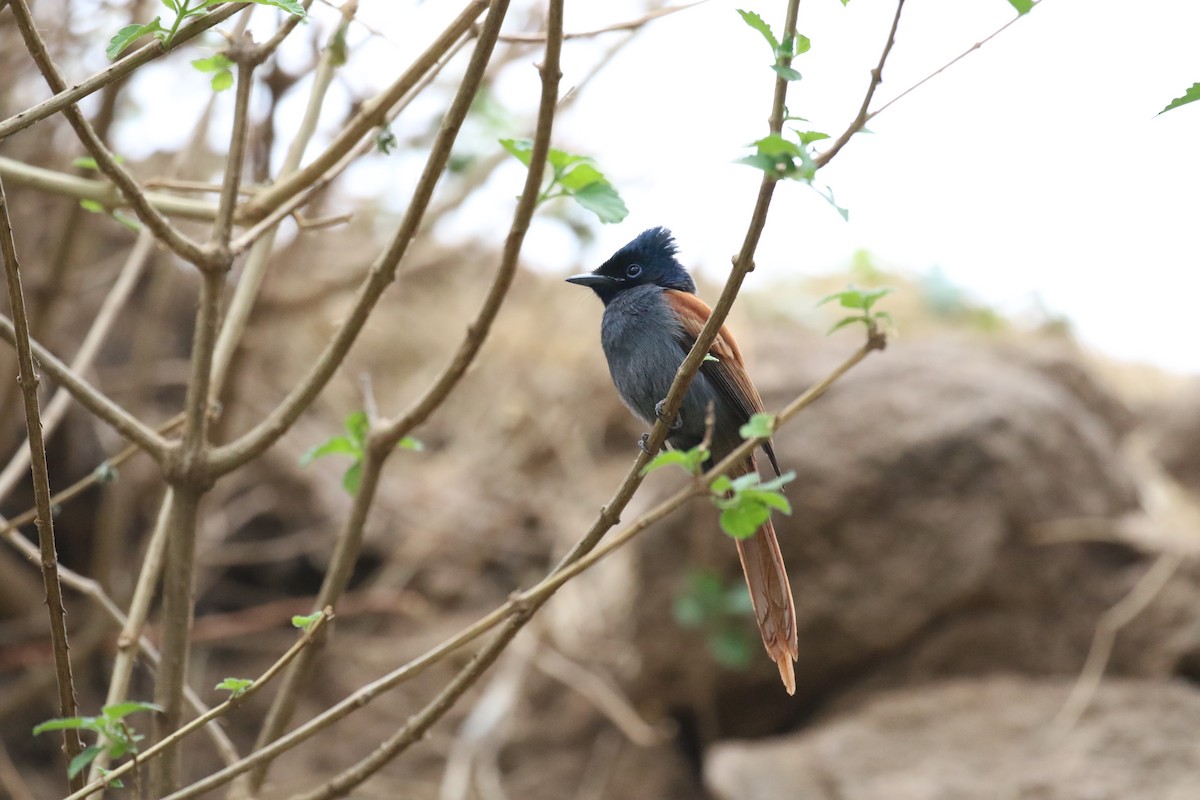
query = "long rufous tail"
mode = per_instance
[{"x": 771, "y": 593}]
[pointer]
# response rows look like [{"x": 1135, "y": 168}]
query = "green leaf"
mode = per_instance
[
  {"x": 235, "y": 686},
  {"x": 721, "y": 484},
  {"x": 290, "y": 6},
  {"x": 127, "y": 221},
  {"x": 854, "y": 297},
  {"x": 357, "y": 426},
  {"x": 131, "y": 33},
  {"x": 787, "y": 73},
  {"x": 770, "y": 499},
  {"x": 808, "y": 137},
  {"x": 410, "y": 443},
  {"x": 214, "y": 63},
  {"x": 759, "y": 24},
  {"x": 87, "y": 162},
  {"x": 845, "y": 321},
  {"x": 602, "y": 200},
  {"x": 1022, "y": 6},
  {"x": 306, "y": 622},
  {"x": 222, "y": 80},
  {"x": 171, "y": 4},
  {"x": 1190, "y": 96},
  {"x": 580, "y": 175},
  {"x": 559, "y": 159},
  {"x": 803, "y": 44},
  {"x": 779, "y": 482},
  {"x": 122, "y": 710},
  {"x": 741, "y": 521},
  {"x": 689, "y": 460},
  {"x": 521, "y": 149},
  {"x": 731, "y": 648},
  {"x": 828, "y": 195},
  {"x": 385, "y": 140},
  {"x": 760, "y": 425},
  {"x": 340, "y": 445},
  {"x": 82, "y": 759},
  {"x": 711, "y": 357},
  {"x": 94, "y": 206},
  {"x": 67, "y": 723},
  {"x": 105, "y": 474},
  {"x": 352, "y": 478}
]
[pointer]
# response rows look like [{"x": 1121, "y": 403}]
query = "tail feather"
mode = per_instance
[{"x": 771, "y": 594}]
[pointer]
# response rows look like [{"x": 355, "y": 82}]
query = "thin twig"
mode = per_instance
[
  {"x": 162, "y": 228},
  {"x": 28, "y": 379},
  {"x": 214, "y": 713},
  {"x": 381, "y": 274},
  {"x": 385, "y": 434},
  {"x": 91, "y": 398},
  {"x": 949, "y": 63},
  {"x": 876, "y": 78},
  {"x": 143, "y": 55},
  {"x": 521, "y": 602},
  {"x": 369, "y": 116}
]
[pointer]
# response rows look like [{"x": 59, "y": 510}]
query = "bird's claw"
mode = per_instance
[
  {"x": 674, "y": 424},
  {"x": 642, "y": 440}
]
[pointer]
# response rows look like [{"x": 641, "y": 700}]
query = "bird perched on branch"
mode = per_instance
[{"x": 652, "y": 317}]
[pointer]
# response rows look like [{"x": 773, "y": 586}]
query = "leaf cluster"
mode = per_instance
[
  {"x": 182, "y": 10},
  {"x": 113, "y": 735},
  {"x": 220, "y": 66},
  {"x": 573, "y": 176},
  {"x": 718, "y": 610},
  {"x": 783, "y": 52},
  {"x": 353, "y": 444},
  {"x": 863, "y": 301}
]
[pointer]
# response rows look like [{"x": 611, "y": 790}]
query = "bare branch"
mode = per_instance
[
  {"x": 629, "y": 25},
  {"x": 876, "y": 78},
  {"x": 28, "y": 379}
]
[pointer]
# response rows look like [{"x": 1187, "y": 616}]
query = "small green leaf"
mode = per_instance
[
  {"x": 770, "y": 499},
  {"x": 759, "y": 24},
  {"x": 357, "y": 426},
  {"x": 127, "y": 221},
  {"x": 787, "y": 73},
  {"x": 352, "y": 478},
  {"x": 720, "y": 485},
  {"x": 1190, "y": 96},
  {"x": 82, "y": 759},
  {"x": 222, "y": 80},
  {"x": 803, "y": 44},
  {"x": 761, "y": 425},
  {"x": 87, "y": 162},
  {"x": 94, "y": 206},
  {"x": 122, "y": 710},
  {"x": 808, "y": 137},
  {"x": 105, "y": 474},
  {"x": 602, "y": 200},
  {"x": 521, "y": 149},
  {"x": 214, "y": 63},
  {"x": 290, "y": 6},
  {"x": 579, "y": 175},
  {"x": 410, "y": 443},
  {"x": 688, "y": 460},
  {"x": 828, "y": 195},
  {"x": 743, "y": 520},
  {"x": 711, "y": 357},
  {"x": 115, "y": 783},
  {"x": 129, "y": 34},
  {"x": 67, "y": 723},
  {"x": 172, "y": 5},
  {"x": 1022, "y": 6},
  {"x": 306, "y": 622},
  {"x": 340, "y": 445},
  {"x": 385, "y": 140},
  {"x": 779, "y": 482},
  {"x": 235, "y": 686},
  {"x": 846, "y": 321}
]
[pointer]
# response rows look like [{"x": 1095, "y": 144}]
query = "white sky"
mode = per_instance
[{"x": 1035, "y": 170}]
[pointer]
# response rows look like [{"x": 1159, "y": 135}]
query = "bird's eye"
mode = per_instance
[{"x": 633, "y": 270}]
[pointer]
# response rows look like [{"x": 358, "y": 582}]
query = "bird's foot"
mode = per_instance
[
  {"x": 645, "y": 437},
  {"x": 674, "y": 424}
]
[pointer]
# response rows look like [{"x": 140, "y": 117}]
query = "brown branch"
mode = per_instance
[
  {"x": 162, "y": 228},
  {"x": 91, "y": 398},
  {"x": 386, "y": 434},
  {"x": 381, "y": 274},
  {"x": 949, "y": 64},
  {"x": 370, "y": 116},
  {"x": 28, "y": 379},
  {"x": 143, "y": 55},
  {"x": 876, "y": 78},
  {"x": 212, "y": 714}
]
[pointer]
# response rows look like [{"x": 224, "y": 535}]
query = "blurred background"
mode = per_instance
[{"x": 995, "y": 519}]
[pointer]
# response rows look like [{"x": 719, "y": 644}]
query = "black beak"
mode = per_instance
[{"x": 591, "y": 279}]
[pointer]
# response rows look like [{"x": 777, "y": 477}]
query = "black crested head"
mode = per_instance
[{"x": 648, "y": 259}]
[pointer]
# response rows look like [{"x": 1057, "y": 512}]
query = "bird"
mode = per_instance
[{"x": 652, "y": 317}]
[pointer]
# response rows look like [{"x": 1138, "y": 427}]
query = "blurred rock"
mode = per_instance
[
  {"x": 979, "y": 739},
  {"x": 918, "y": 477}
]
